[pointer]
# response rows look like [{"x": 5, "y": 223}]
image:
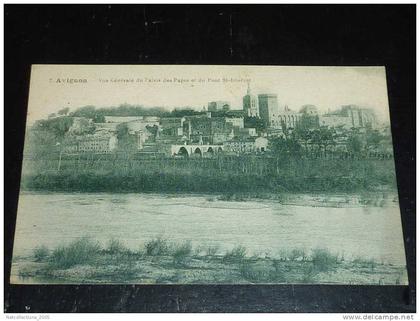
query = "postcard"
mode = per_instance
[{"x": 188, "y": 174}]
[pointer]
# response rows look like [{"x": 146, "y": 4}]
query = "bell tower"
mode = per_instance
[{"x": 250, "y": 103}]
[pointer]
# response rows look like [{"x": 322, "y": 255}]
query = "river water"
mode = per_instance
[{"x": 261, "y": 226}]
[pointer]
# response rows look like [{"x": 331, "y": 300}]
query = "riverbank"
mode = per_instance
[
  {"x": 337, "y": 200},
  {"x": 161, "y": 262},
  {"x": 200, "y": 183},
  {"x": 383, "y": 198},
  {"x": 242, "y": 175}
]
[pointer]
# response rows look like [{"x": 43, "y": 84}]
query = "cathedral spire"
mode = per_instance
[{"x": 248, "y": 91}]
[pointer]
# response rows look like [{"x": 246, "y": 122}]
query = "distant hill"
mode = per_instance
[{"x": 98, "y": 114}]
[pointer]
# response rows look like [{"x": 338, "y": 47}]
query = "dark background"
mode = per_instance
[{"x": 200, "y": 34}]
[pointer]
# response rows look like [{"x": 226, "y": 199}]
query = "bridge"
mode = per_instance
[{"x": 195, "y": 150}]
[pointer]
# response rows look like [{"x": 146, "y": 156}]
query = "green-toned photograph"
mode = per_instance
[{"x": 184, "y": 174}]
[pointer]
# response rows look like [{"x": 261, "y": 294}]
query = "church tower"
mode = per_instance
[{"x": 250, "y": 103}]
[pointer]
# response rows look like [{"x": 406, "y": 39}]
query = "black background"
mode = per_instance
[{"x": 199, "y": 34}]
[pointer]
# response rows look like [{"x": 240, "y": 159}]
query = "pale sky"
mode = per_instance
[{"x": 328, "y": 88}]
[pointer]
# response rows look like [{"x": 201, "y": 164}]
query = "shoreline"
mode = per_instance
[
  {"x": 159, "y": 262},
  {"x": 322, "y": 199}
]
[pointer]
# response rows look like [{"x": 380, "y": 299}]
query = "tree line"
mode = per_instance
[
  {"x": 321, "y": 140},
  {"x": 98, "y": 114}
]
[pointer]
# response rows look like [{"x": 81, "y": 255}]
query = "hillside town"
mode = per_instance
[{"x": 259, "y": 127}]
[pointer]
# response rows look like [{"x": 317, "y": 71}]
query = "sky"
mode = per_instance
[{"x": 52, "y": 86}]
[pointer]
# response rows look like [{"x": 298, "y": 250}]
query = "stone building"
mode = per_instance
[
  {"x": 106, "y": 127},
  {"x": 96, "y": 144},
  {"x": 218, "y": 106},
  {"x": 236, "y": 121},
  {"x": 350, "y": 116},
  {"x": 309, "y": 117},
  {"x": 172, "y": 126},
  {"x": 142, "y": 124},
  {"x": 245, "y": 132},
  {"x": 70, "y": 147},
  {"x": 246, "y": 145},
  {"x": 236, "y": 113},
  {"x": 335, "y": 120},
  {"x": 141, "y": 136},
  {"x": 309, "y": 110},
  {"x": 239, "y": 146},
  {"x": 275, "y": 132},
  {"x": 275, "y": 118},
  {"x": 209, "y": 130},
  {"x": 261, "y": 144},
  {"x": 268, "y": 108},
  {"x": 286, "y": 118},
  {"x": 121, "y": 119}
]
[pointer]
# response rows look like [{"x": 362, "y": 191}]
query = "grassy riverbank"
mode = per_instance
[
  {"x": 159, "y": 261},
  {"x": 202, "y": 177}
]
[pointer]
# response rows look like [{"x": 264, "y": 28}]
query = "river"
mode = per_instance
[{"x": 262, "y": 226}]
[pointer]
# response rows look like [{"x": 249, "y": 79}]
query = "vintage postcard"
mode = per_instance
[{"x": 183, "y": 174}]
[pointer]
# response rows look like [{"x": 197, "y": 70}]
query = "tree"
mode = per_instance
[
  {"x": 57, "y": 126},
  {"x": 324, "y": 137},
  {"x": 285, "y": 147},
  {"x": 122, "y": 131},
  {"x": 304, "y": 134},
  {"x": 63, "y": 111},
  {"x": 126, "y": 142},
  {"x": 373, "y": 139},
  {"x": 284, "y": 128},
  {"x": 153, "y": 130},
  {"x": 40, "y": 142},
  {"x": 354, "y": 144},
  {"x": 309, "y": 121},
  {"x": 86, "y": 111},
  {"x": 98, "y": 114},
  {"x": 81, "y": 126},
  {"x": 185, "y": 112},
  {"x": 99, "y": 118},
  {"x": 255, "y": 122}
]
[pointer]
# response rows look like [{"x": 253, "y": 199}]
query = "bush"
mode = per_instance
[
  {"x": 293, "y": 255},
  {"x": 134, "y": 175},
  {"x": 81, "y": 251},
  {"x": 115, "y": 246},
  {"x": 236, "y": 254},
  {"x": 157, "y": 247},
  {"x": 251, "y": 273},
  {"x": 212, "y": 250},
  {"x": 278, "y": 275},
  {"x": 309, "y": 274},
  {"x": 41, "y": 253},
  {"x": 297, "y": 255},
  {"x": 367, "y": 263},
  {"x": 182, "y": 252},
  {"x": 262, "y": 274},
  {"x": 124, "y": 272},
  {"x": 323, "y": 260},
  {"x": 226, "y": 197}
]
